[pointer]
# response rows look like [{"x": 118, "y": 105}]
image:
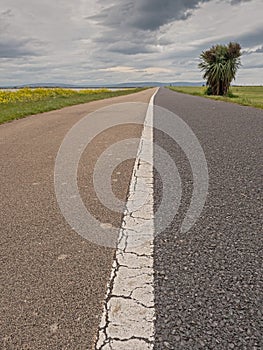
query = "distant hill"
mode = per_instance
[
  {"x": 156, "y": 83},
  {"x": 43, "y": 85},
  {"x": 143, "y": 84},
  {"x": 120, "y": 85}
]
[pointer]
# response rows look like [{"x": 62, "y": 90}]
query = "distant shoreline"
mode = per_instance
[
  {"x": 63, "y": 87},
  {"x": 131, "y": 85}
]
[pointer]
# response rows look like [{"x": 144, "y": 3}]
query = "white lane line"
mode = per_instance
[{"x": 128, "y": 317}]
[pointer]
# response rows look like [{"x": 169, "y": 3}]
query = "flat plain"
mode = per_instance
[{"x": 243, "y": 95}]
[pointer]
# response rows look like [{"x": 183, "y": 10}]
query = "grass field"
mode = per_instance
[
  {"x": 243, "y": 95},
  {"x": 24, "y": 102}
]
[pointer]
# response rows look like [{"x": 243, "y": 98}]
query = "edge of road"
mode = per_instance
[
  {"x": 102, "y": 101},
  {"x": 56, "y": 272}
]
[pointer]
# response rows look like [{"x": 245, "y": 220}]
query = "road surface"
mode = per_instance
[
  {"x": 53, "y": 282},
  {"x": 205, "y": 288},
  {"x": 208, "y": 281}
]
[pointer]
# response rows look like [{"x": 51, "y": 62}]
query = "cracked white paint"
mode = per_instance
[{"x": 128, "y": 317}]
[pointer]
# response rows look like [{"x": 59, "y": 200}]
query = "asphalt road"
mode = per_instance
[
  {"x": 208, "y": 281},
  {"x": 52, "y": 281}
]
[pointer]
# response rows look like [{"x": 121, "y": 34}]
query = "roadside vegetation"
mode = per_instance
[
  {"x": 243, "y": 95},
  {"x": 23, "y": 102},
  {"x": 220, "y": 65}
]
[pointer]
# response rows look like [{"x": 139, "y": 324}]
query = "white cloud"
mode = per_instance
[
  {"x": 149, "y": 70},
  {"x": 119, "y": 69},
  {"x": 58, "y": 42}
]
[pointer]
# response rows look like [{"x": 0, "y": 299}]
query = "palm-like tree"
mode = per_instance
[{"x": 220, "y": 64}]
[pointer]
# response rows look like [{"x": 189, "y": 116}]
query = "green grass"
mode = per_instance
[
  {"x": 20, "y": 109},
  {"x": 243, "y": 95}
]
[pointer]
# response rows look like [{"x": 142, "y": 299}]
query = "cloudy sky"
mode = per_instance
[{"x": 112, "y": 41}]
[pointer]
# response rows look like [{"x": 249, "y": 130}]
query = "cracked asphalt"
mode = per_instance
[
  {"x": 52, "y": 281},
  {"x": 128, "y": 317},
  {"x": 208, "y": 281}
]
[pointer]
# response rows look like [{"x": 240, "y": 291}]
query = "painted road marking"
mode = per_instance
[{"x": 128, "y": 317}]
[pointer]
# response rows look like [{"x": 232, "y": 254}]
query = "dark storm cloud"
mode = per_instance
[
  {"x": 247, "y": 41},
  {"x": 11, "y": 47},
  {"x": 251, "y": 39},
  {"x": 235, "y": 2},
  {"x": 145, "y": 14},
  {"x": 127, "y": 39},
  {"x": 138, "y": 38},
  {"x": 15, "y": 48},
  {"x": 148, "y": 14},
  {"x": 130, "y": 48},
  {"x": 130, "y": 25},
  {"x": 127, "y": 42}
]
